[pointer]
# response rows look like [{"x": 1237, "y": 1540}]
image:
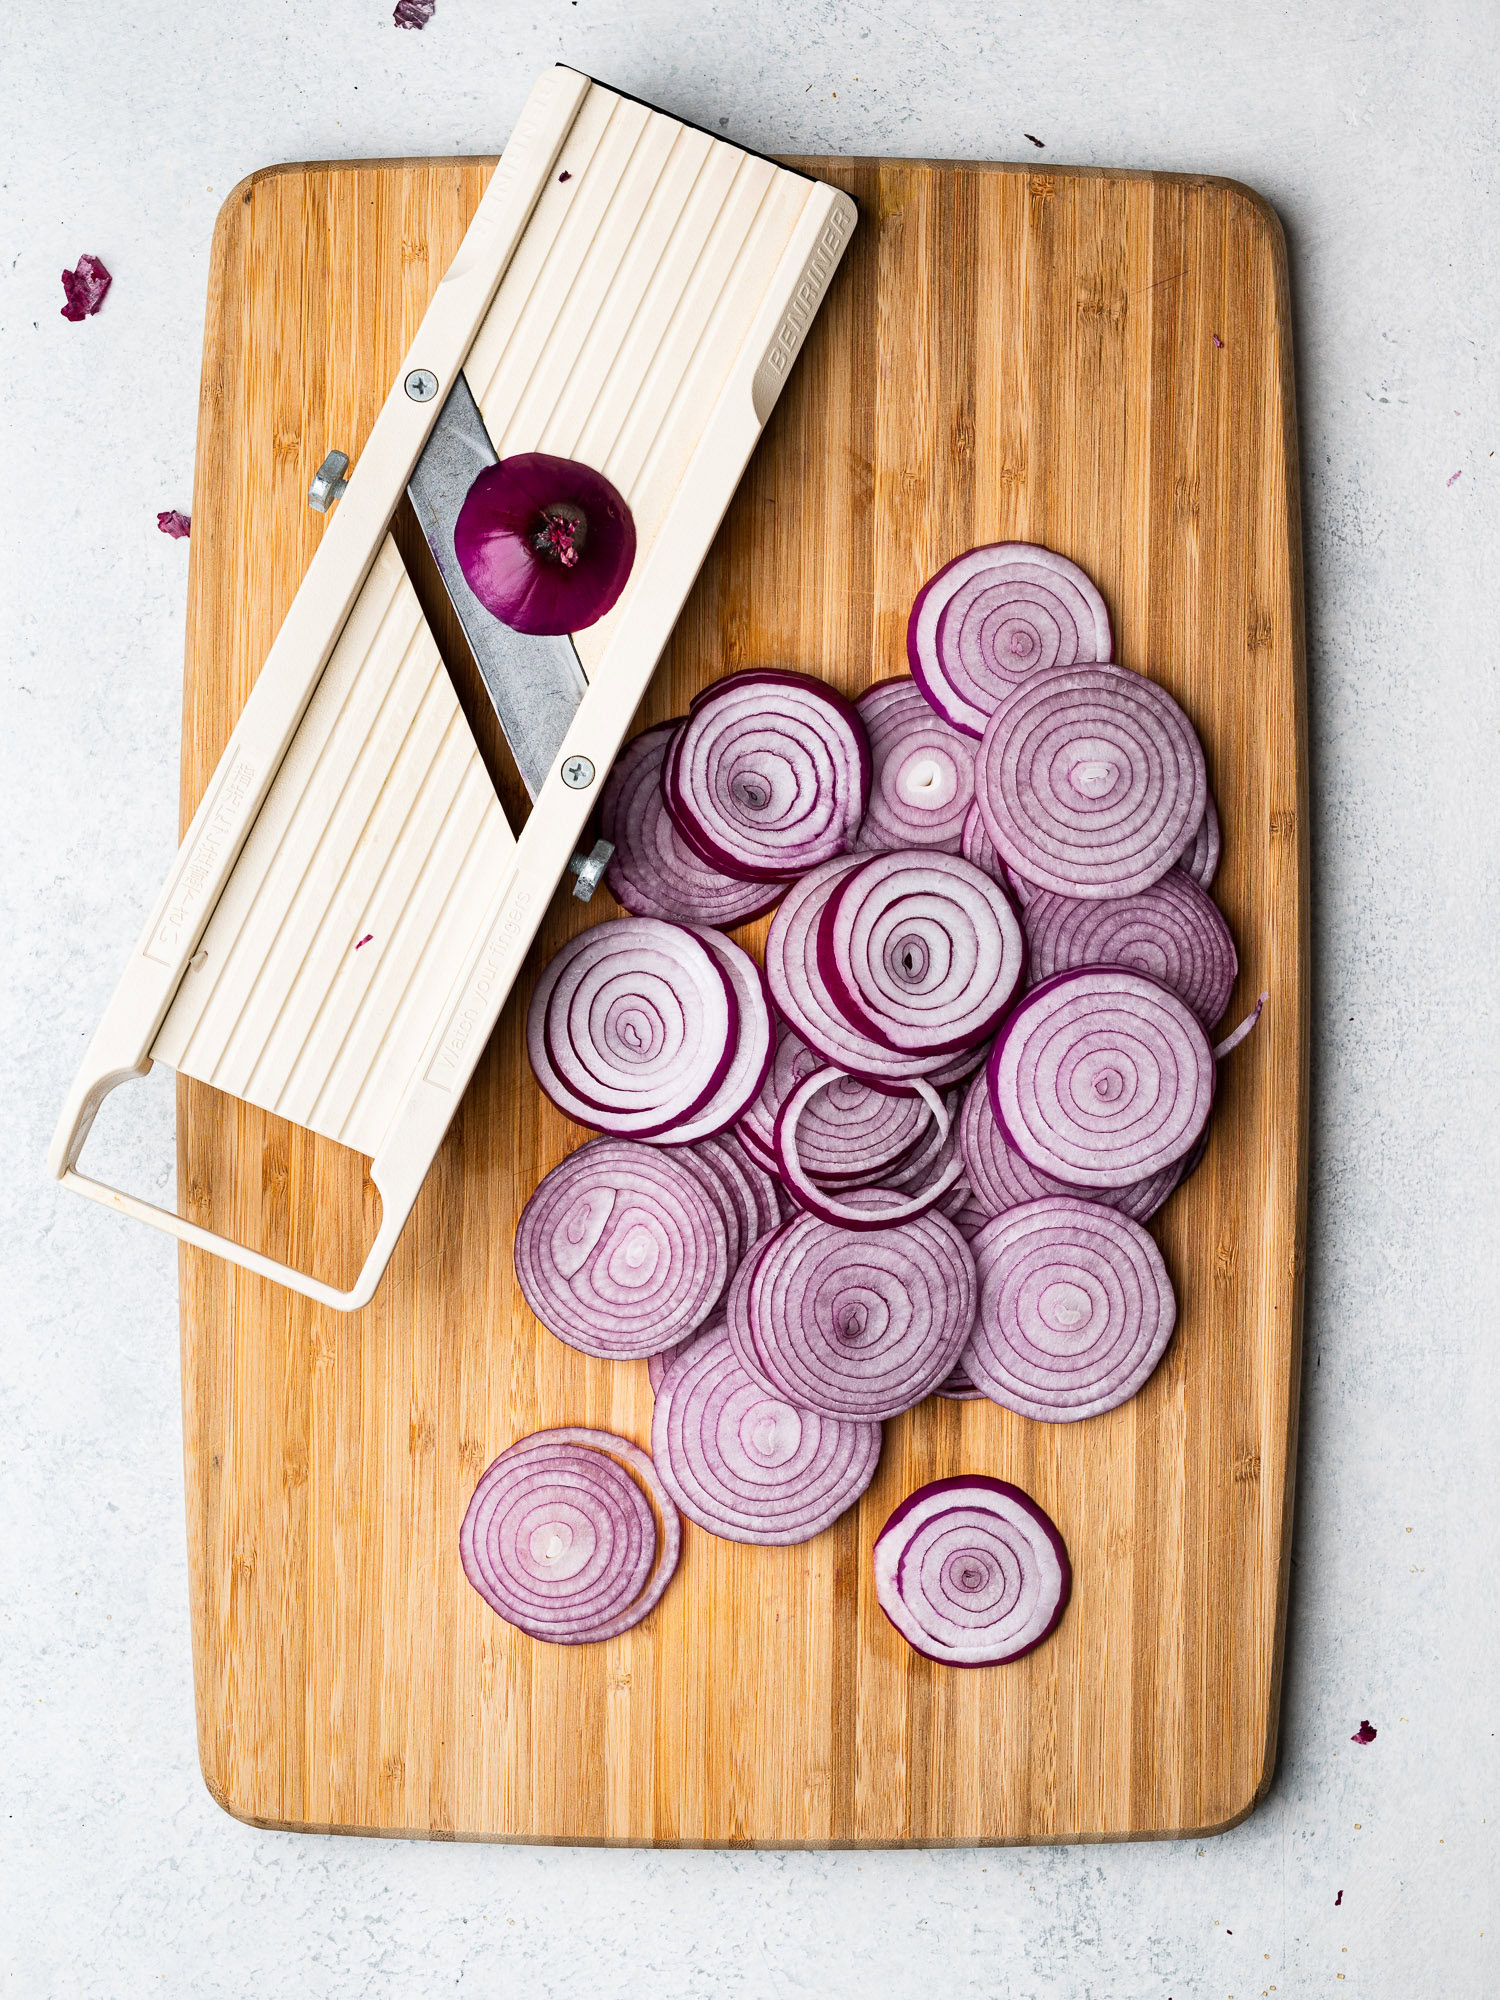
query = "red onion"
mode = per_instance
[
  {"x": 623, "y": 1249},
  {"x": 922, "y": 772},
  {"x": 994, "y": 616},
  {"x": 545, "y": 544},
  {"x": 999, "y": 1179},
  {"x": 1101, "y": 1078},
  {"x": 971, "y": 1572},
  {"x": 769, "y": 775},
  {"x": 1173, "y": 931},
  {"x": 753, "y": 1046},
  {"x": 633, "y": 1027},
  {"x": 1200, "y": 858},
  {"x": 653, "y": 872},
  {"x": 658, "y": 1364},
  {"x": 746, "y": 1464},
  {"x": 1075, "y": 1309},
  {"x": 863, "y": 1335},
  {"x": 1232, "y": 1041},
  {"x": 976, "y": 846},
  {"x": 559, "y": 1539},
  {"x": 856, "y": 1210},
  {"x": 1090, "y": 781},
  {"x": 803, "y": 1001},
  {"x": 957, "y": 1385},
  {"x": 751, "y": 1187},
  {"x": 850, "y": 1132},
  {"x": 921, "y": 952}
]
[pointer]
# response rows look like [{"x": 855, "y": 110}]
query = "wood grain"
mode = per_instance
[{"x": 1006, "y": 353}]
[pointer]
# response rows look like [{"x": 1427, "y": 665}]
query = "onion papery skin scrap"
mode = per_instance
[
  {"x": 851, "y": 1133},
  {"x": 1075, "y": 1309},
  {"x": 976, "y": 846},
  {"x": 922, "y": 953},
  {"x": 1200, "y": 858},
  {"x": 866, "y": 1335},
  {"x": 546, "y": 544},
  {"x": 653, "y": 872},
  {"x": 754, "y": 1044},
  {"x": 993, "y": 617},
  {"x": 769, "y": 775},
  {"x": 1090, "y": 781},
  {"x": 633, "y": 1027},
  {"x": 868, "y": 1208},
  {"x": 804, "y": 1003},
  {"x": 622, "y": 1250},
  {"x": 999, "y": 1179},
  {"x": 922, "y": 772},
  {"x": 560, "y": 1542},
  {"x": 745, "y": 1463},
  {"x": 972, "y": 1572},
  {"x": 1101, "y": 1078},
  {"x": 1173, "y": 932}
]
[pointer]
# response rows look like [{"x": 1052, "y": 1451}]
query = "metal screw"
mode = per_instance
[
  {"x": 328, "y": 482},
  {"x": 578, "y": 774},
  {"x": 421, "y": 385},
  {"x": 590, "y": 867}
]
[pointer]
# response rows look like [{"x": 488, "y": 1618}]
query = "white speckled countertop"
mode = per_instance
[{"x": 1373, "y": 129}]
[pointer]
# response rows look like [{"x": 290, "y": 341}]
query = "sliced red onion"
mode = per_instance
[
  {"x": 753, "y": 1047},
  {"x": 754, "y": 1186},
  {"x": 971, "y": 1572},
  {"x": 1075, "y": 1309},
  {"x": 1232, "y": 1041},
  {"x": 623, "y": 1250},
  {"x": 999, "y": 1179},
  {"x": 855, "y": 1210},
  {"x": 769, "y": 775},
  {"x": 956, "y": 1386},
  {"x": 1101, "y": 1078},
  {"x": 653, "y": 872},
  {"x": 1090, "y": 781},
  {"x": 658, "y": 1364},
  {"x": 1200, "y": 858},
  {"x": 802, "y": 1000},
  {"x": 633, "y": 1027},
  {"x": 546, "y": 544},
  {"x": 981, "y": 850},
  {"x": 850, "y": 1132},
  {"x": 993, "y": 617},
  {"x": 922, "y": 772},
  {"x": 560, "y": 1541},
  {"x": 920, "y": 952},
  {"x": 863, "y": 1335},
  {"x": 746, "y": 1464},
  {"x": 1173, "y": 931}
]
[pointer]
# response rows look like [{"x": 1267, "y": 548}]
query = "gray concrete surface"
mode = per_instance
[{"x": 1373, "y": 130}]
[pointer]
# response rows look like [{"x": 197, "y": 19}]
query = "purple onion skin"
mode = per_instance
[
  {"x": 516, "y": 514},
  {"x": 968, "y": 1482}
]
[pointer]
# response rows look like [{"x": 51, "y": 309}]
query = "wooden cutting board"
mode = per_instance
[{"x": 1098, "y": 361}]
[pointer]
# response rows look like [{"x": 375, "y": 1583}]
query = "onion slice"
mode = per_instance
[
  {"x": 864, "y": 1336},
  {"x": 633, "y": 1027},
  {"x": 993, "y": 617},
  {"x": 856, "y": 1210},
  {"x": 559, "y": 1539},
  {"x": 623, "y": 1249},
  {"x": 971, "y": 1572},
  {"x": 922, "y": 772},
  {"x": 1101, "y": 1078},
  {"x": 1200, "y": 858},
  {"x": 999, "y": 1179},
  {"x": 745, "y": 1463},
  {"x": 1090, "y": 781},
  {"x": 851, "y": 1133},
  {"x": 653, "y": 872},
  {"x": 546, "y": 544},
  {"x": 1075, "y": 1309},
  {"x": 920, "y": 952},
  {"x": 769, "y": 775},
  {"x": 1173, "y": 931}
]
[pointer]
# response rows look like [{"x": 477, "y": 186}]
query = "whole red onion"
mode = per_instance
[{"x": 544, "y": 543}]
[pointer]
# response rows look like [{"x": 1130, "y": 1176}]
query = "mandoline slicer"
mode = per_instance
[{"x": 631, "y": 292}]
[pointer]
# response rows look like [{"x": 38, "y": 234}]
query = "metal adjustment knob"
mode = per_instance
[
  {"x": 590, "y": 867},
  {"x": 328, "y": 482}
]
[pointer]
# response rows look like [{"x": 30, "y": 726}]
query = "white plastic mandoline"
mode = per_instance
[{"x": 640, "y": 315}]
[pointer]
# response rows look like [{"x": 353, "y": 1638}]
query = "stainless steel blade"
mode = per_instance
[{"x": 534, "y": 682}]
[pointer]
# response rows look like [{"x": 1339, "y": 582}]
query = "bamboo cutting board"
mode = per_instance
[{"x": 1006, "y": 353}]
